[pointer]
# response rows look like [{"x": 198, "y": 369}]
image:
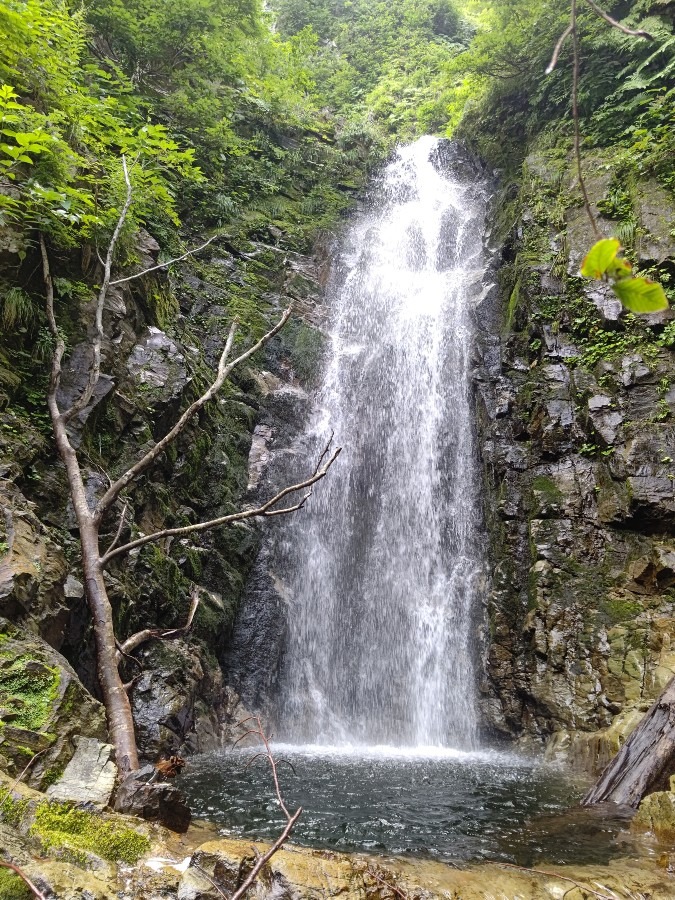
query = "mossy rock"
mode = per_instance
[
  {"x": 656, "y": 814},
  {"x": 12, "y": 887},
  {"x": 43, "y": 706},
  {"x": 60, "y": 827}
]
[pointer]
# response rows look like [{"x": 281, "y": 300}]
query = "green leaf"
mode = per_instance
[
  {"x": 640, "y": 295},
  {"x": 600, "y": 258}
]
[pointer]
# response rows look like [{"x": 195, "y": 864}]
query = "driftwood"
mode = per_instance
[{"x": 646, "y": 759}]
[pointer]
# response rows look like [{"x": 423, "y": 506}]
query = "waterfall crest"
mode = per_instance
[{"x": 383, "y": 565}]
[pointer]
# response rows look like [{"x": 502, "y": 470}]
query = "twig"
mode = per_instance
[
  {"x": 224, "y": 370},
  {"x": 264, "y": 511},
  {"x": 575, "y": 115},
  {"x": 164, "y": 265},
  {"x": 118, "y": 533},
  {"x": 579, "y": 884},
  {"x": 211, "y": 881},
  {"x": 630, "y": 31},
  {"x": 22, "y": 875},
  {"x": 261, "y": 861},
  {"x": 18, "y": 778},
  {"x": 265, "y": 858},
  {"x": 392, "y": 887}
]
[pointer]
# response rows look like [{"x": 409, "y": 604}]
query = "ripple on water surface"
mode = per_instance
[{"x": 432, "y": 802}]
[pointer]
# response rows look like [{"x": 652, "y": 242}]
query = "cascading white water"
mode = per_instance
[{"x": 383, "y": 564}]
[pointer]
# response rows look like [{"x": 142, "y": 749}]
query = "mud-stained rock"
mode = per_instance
[{"x": 142, "y": 795}]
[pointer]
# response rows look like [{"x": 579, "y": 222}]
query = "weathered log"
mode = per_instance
[{"x": 645, "y": 761}]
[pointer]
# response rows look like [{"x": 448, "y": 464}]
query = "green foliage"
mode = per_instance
[
  {"x": 12, "y": 887},
  {"x": 383, "y": 62},
  {"x": 639, "y": 295}
]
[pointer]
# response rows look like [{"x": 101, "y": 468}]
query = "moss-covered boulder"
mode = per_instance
[
  {"x": 43, "y": 707},
  {"x": 656, "y": 815}
]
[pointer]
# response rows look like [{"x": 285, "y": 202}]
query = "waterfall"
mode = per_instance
[{"x": 383, "y": 565}]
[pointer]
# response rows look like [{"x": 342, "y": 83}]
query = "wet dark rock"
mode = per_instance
[
  {"x": 580, "y": 483},
  {"x": 156, "y": 801}
]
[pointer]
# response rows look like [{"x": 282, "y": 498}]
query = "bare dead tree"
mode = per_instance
[
  {"x": 110, "y": 652},
  {"x": 258, "y": 731}
]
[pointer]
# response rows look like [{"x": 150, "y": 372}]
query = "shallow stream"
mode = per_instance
[{"x": 449, "y": 805}]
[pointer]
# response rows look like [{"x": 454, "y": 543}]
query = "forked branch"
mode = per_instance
[
  {"x": 265, "y": 511},
  {"x": 147, "y": 634},
  {"x": 258, "y": 731},
  {"x": 224, "y": 370}
]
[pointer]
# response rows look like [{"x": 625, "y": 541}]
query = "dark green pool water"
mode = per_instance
[{"x": 448, "y": 805}]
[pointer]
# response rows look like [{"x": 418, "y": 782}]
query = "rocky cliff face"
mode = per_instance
[
  {"x": 163, "y": 339},
  {"x": 576, "y": 415}
]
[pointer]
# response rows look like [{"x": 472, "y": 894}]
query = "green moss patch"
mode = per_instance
[
  {"x": 12, "y": 887},
  {"x": 62, "y": 827},
  {"x": 28, "y": 688}
]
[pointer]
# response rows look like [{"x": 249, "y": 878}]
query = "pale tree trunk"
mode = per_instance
[
  {"x": 109, "y": 653},
  {"x": 645, "y": 761},
  {"x": 115, "y": 698}
]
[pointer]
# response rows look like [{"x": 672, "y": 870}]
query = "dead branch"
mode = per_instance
[
  {"x": 164, "y": 265},
  {"x": 141, "y": 637},
  {"x": 578, "y": 884},
  {"x": 291, "y": 819},
  {"x": 388, "y": 884},
  {"x": 95, "y": 368},
  {"x": 224, "y": 370},
  {"x": 264, "y": 511},
  {"x": 575, "y": 116},
  {"x": 630, "y": 31},
  {"x": 26, "y": 880},
  {"x": 558, "y": 47},
  {"x": 60, "y": 346}
]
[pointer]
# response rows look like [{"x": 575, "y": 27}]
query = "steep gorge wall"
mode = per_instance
[
  {"x": 163, "y": 340},
  {"x": 576, "y": 408}
]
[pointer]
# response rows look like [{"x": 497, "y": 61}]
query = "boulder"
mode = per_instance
[
  {"x": 157, "y": 801},
  {"x": 45, "y": 707},
  {"x": 90, "y": 775}
]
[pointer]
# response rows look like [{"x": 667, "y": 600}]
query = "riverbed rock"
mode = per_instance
[{"x": 297, "y": 872}]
